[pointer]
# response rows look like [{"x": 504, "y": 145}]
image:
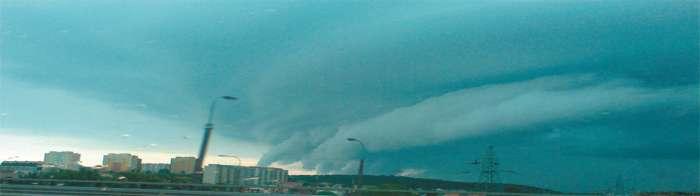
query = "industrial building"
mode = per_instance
[{"x": 22, "y": 168}]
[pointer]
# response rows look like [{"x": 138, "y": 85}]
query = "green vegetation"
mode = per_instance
[
  {"x": 371, "y": 182},
  {"x": 82, "y": 174},
  {"x": 91, "y": 174},
  {"x": 407, "y": 183}
]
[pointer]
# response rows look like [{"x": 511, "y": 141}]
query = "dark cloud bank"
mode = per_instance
[{"x": 572, "y": 94}]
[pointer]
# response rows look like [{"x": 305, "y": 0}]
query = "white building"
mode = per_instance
[
  {"x": 63, "y": 160},
  {"x": 240, "y": 175},
  {"x": 222, "y": 174}
]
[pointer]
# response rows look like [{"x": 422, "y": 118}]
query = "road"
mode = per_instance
[{"x": 31, "y": 190}]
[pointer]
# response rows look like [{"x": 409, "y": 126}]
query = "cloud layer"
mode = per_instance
[{"x": 426, "y": 86}]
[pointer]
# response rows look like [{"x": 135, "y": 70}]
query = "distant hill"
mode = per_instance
[{"x": 400, "y": 182}]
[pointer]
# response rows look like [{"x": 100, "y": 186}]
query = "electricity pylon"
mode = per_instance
[{"x": 490, "y": 173}]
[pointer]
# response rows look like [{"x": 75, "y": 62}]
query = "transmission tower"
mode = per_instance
[
  {"x": 489, "y": 171},
  {"x": 489, "y": 166}
]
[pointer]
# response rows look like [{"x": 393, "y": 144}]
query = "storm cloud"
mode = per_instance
[{"x": 611, "y": 84}]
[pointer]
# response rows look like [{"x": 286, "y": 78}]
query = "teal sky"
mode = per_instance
[{"x": 571, "y": 94}]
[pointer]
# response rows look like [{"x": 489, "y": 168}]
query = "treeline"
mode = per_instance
[
  {"x": 91, "y": 174},
  {"x": 406, "y": 183}
]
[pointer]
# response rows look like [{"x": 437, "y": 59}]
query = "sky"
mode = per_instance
[{"x": 571, "y": 94}]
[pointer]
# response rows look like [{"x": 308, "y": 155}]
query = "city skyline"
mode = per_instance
[
  {"x": 125, "y": 167},
  {"x": 570, "y": 94},
  {"x": 175, "y": 164},
  {"x": 97, "y": 159}
]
